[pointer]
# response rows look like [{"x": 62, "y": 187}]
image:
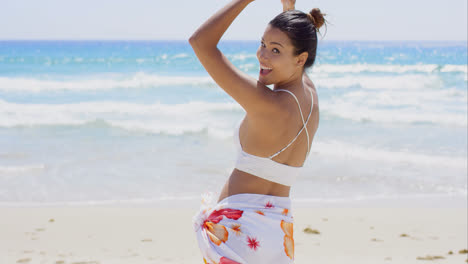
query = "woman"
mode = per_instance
[{"x": 252, "y": 221}]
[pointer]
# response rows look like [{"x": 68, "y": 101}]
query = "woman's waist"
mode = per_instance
[
  {"x": 255, "y": 202},
  {"x": 245, "y": 183}
]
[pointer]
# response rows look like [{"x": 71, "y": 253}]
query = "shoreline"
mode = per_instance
[{"x": 413, "y": 201}]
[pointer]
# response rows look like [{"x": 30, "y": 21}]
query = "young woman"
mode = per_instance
[{"x": 252, "y": 221}]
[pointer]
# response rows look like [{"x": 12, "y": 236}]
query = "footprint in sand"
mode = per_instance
[
  {"x": 428, "y": 257},
  {"x": 309, "y": 230},
  {"x": 25, "y": 260},
  {"x": 376, "y": 240}
]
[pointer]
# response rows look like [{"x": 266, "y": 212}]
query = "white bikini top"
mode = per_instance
[{"x": 265, "y": 167}]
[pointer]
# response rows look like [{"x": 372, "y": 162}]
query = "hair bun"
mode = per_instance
[{"x": 316, "y": 17}]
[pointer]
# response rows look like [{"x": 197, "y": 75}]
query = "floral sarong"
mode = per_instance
[{"x": 245, "y": 228}]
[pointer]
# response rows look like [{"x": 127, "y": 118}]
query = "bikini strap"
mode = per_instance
[{"x": 303, "y": 123}]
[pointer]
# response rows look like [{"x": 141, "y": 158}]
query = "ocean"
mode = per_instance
[{"x": 141, "y": 122}]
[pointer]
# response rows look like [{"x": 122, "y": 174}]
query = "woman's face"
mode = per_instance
[{"x": 278, "y": 64}]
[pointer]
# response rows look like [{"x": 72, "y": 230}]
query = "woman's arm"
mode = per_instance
[
  {"x": 252, "y": 95},
  {"x": 288, "y": 5},
  {"x": 213, "y": 29}
]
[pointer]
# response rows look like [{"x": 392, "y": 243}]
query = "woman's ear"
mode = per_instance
[{"x": 302, "y": 58}]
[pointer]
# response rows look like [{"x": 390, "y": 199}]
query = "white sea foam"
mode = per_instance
[
  {"x": 145, "y": 80},
  {"x": 9, "y": 170},
  {"x": 180, "y": 56},
  {"x": 447, "y": 107},
  {"x": 390, "y": 68},
  {"x": 156, "y": 118},
  {"x": 241, "y": 57},
  {"x": 405, "y": 82},
  {"x": 340, "y": 149},
  {"x": 138, "y": 80}
]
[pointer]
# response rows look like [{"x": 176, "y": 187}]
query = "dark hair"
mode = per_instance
[{"x": 301, "y": 29}]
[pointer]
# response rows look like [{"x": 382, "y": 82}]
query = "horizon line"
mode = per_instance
[{"x": 117, "y": 39}]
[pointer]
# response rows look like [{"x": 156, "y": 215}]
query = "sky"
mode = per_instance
[{"x": 380, "y": 20}]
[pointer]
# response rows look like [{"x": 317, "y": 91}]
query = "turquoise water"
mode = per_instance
[{"x": 97, "y": 121}]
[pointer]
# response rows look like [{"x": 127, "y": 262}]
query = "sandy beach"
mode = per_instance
[{"x": 98, "y": 234}]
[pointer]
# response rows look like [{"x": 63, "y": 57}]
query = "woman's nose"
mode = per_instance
[{"x": 262, "y": 54}]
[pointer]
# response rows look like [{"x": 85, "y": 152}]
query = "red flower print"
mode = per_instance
[
  {"x": 253, "y": 243},
  {"x": 217, "y": 215},
  {"x": 260, "y": 212},
  {"x": 269, "y": 205},
  {"x": 216, "y": 232},
  {"x": 225, "y": 260},
  {"x": 285, "y": 211}
]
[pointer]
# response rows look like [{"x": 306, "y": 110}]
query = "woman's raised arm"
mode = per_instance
[
  {"x": 288, "y": 5},
  {"x": 252, "y": 95}
]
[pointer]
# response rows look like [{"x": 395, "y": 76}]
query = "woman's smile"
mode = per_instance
[{"x": 264, "y": 71}]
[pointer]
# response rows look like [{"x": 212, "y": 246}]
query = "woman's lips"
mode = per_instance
[{"x": 265, "y": 70}]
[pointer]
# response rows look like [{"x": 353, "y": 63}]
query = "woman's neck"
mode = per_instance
[{"x": 293, "y": 84}]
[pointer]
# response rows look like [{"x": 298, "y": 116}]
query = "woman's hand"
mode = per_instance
[{"x": 288, "y": 4}]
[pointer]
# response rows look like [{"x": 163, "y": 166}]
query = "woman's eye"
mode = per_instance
[
  {"x": 275, "y": 50},
  {"x": 262, "y": 44}
]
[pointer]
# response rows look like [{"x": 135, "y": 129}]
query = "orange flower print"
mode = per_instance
[
  {"x": 260, "y": 212},
  {"x": 253, "y": 243},
  {"x": 225, "y": 260},
  {"x": 269, "y": 205},
  {"x": 288, "y": 238},
  {"x": 216, "y": 232},
  {"x": 285, "y": 211},
  {"x": 236, "y": 228}
]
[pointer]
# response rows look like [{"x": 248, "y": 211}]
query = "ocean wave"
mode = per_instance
[
  {"x": 51, "y": 201},
  {"x": 176, "y": 119},
  {"x": 389, "y": 68},
  {"x": 398, "y": 82},
  {"x": 364, "y": 114},
  {"x": 138, "y": 80},
  {"x": 146, "y": 80},
  {"x": 9, "y": 170},
  {"x": 242, "y": 57},
  {"x": 410, "y": 106},
  {"x": 353, "y": 151}
]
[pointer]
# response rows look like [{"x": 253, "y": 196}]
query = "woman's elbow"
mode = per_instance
[{"x": 192, "y": 40}]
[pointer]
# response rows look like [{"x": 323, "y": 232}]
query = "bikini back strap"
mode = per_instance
[{"x": 304, "y": 123}]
